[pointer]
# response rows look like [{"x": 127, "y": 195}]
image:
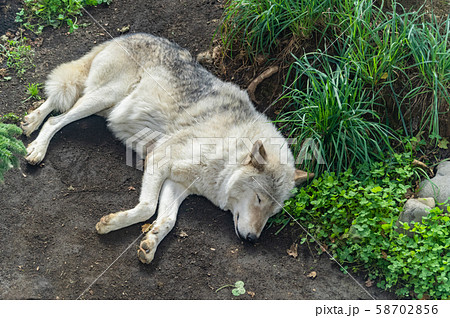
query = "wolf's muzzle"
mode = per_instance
[{"x": 252, "y": 238}]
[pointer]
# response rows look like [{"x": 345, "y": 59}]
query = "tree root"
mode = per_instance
[
  {"x": 420, "y": 164},
  {"x": 254, "y": 84}
]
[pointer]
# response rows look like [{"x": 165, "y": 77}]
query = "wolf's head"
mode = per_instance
[{"x": 258, "y": 189}]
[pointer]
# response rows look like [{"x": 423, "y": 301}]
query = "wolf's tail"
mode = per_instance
[{"x": 66, "y": 83}]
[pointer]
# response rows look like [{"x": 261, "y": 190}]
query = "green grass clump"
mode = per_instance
[
  {"x": 260, "y": 25},
  {"x": 37, "y": 14},
  {"x": 329, "y": 106},
  {"x": 355, "y": 218},
  {"x": 404, "y": 56},
  {"x": 429, "y": 43},
  {"x": 10, "y": 148},
  {"x": 389, "y": 72},
  {"x": 33, "y": 91},
  {"x": 374, "y": 42},
  {"x": 400, "y": 59}
]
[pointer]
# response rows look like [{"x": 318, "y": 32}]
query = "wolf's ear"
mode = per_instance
[
  {"x": 301, "y": 176},
  {"x": 257, "y": 157}
]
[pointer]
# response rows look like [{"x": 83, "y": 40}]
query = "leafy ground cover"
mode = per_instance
[
  {"x": 18, "y": 55},
  {"x": 356, "y": 219}
]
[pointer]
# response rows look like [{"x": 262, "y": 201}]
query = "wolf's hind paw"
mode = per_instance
[
  {"x": 35, "y": 153},
  {"x": 30, "y": 123}
]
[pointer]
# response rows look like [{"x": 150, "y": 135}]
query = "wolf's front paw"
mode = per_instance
[
  {"x": 146, "y": 251},
  {"x": 103, "y": 226},
  {"x": 35, "y": 153}
]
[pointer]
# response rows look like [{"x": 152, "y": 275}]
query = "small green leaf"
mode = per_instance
[
  {"x": 238, "y": 291},
  {"x": 239, "y": 284},
  {"x": 443, "y": 143},
  {"x": 376, "y": 189}
]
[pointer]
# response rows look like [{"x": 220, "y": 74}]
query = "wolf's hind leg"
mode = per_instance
[
  {"x": 87, "y": 105},
  {"x": 172, "y": 195},
  {"x": 63, "y": 87}
]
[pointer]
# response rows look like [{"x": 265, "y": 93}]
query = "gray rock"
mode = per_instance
[
  {"x": 439, "y": 186},
  {"x": 415, "y": 209},
  {"x": 443, "y": 168}
]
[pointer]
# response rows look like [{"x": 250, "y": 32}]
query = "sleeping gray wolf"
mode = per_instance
[{"x": 141, "y": 82}]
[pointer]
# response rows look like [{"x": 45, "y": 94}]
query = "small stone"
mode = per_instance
[
  {"x": 312, "y": 275},
  {"x": 415, "y": 209},
  {"x": 427, "y": 201},
  {"x": 124, "y": 29},
  {"x": 439, "y": 186}
]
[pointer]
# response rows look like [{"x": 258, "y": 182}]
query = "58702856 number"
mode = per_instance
[{"x": 407, "y": 309}]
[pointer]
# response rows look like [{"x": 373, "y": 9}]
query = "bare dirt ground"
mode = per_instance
[{"x": 48, "y": 245}]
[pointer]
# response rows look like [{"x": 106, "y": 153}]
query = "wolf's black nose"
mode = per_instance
[{"x": 251, "y": 238}]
